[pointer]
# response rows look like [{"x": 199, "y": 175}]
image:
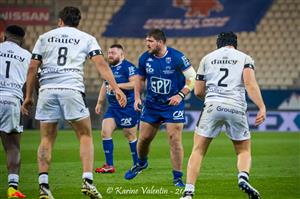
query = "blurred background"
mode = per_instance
[{"x": 268, "y": 30}]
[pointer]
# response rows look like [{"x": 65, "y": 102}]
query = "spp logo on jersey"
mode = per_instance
[
  {"x": 198, "y": 8},
  {"x": 160, "y": 85}
]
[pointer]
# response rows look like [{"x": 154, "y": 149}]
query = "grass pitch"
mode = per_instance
[{"x": 275, "y": 171}]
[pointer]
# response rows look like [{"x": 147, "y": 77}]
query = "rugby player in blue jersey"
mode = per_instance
[
  {"x": 117, "y": 116},
  {"x": 169, "y": 77}
]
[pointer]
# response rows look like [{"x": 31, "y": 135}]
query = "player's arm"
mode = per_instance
[
  {"x": 254, "y": 93},
  {"x": 200, "y": 88},
  {"x": 128, "y": 85},
  {"x": 30, "y": 85},
  {"x": 190, "y": 75},
  {"x": 101, "y": 99},
  {"x": 138, "y": 88},
  {"x": 107, "y": 74},
  {"x": 200, "y": 84}
]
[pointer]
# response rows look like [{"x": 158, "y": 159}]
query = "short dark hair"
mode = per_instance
[
  {"x": 70, "y": 16},
  {"x": 117, "y": 46},
  {"x": 157, "y": 34},
  {"x": 15, "y": 31},
  {"x": 227, "y": 38}
]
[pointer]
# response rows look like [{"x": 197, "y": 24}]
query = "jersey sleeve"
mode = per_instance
[
  {"x": 200, "y": 71},
  {"x": 37, "y": 52},
  {"x": 132, "y": 70},
  {"x": 141, "y": 67},
  {"x": 94, "y": 48},
  {"x": 249, "y": 62},
  {"x": 183, "y": 62}
]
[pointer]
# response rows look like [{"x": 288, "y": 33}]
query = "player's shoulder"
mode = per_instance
[
  {"x": 174, "y": 51},
  {"x": 85, "y": 34},
  {"x": 26, "y": 52},
  {"x": 126, "y": 62},
  {"x": 240, "y": 53},
  {"x": 144, "y": 57},
  {"x": 15, "y": 47}
]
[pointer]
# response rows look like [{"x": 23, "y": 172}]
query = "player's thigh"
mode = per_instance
[
  {"x": 148, "y": 130},
  {"x": 48, "y": 131},
  {"x": 10, "y": 141},
  {"x": 48, "y": 108},
  {"x": 10, "y": 116},
  {"x": 108, "y": 127},
  {"x": 174, "y": 131},
  {"x": 82, "y": 127},
  {"x": 241, "y": 146},
  {"x": 73, "y": 105},
  {"x": 201, "y": 143}
]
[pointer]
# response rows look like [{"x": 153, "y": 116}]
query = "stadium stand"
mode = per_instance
[{"x": 275, "y": 45}]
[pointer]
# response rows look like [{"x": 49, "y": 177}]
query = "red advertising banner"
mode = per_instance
[{"x": 25, "y": 15}]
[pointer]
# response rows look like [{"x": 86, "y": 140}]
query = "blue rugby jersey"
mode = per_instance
[
  {"x": 164, "y": 76},
  {"x": 122, "y": 72}
]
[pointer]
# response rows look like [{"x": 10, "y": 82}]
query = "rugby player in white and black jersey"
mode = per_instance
[
  {"x": 14, "y": 62},
  {"x": 60, "y": 54},
  {"x": 222, "y": 78}
]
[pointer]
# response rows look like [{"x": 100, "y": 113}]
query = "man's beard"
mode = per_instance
[
  {"x": 113, "y": 61},
  {"x": 155, "y": 51}
]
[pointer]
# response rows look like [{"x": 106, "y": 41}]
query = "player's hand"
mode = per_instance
[
  {"x": 260, "y": 117},
  {"x": 121, "y": 97},
  {"x": 98, "y": 108},
  {"x": 175, "y": 100},
  {"x": 138, "y": 105},
  {"x": 27, "y": 106}
]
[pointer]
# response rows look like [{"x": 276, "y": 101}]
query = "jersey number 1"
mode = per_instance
[
  {"x": 7, "y": 69},
  {"x": 225, "y": 75},
  {"x": 62, "y": 56}
]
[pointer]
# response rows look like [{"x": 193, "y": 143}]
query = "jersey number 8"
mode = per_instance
[{"x": 62, "y": 56}]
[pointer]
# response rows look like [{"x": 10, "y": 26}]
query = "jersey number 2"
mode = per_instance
[
  {"x": 62, "y": 56},
  {"x": 225, "y": 75}
]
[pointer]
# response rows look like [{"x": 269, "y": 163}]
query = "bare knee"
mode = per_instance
[
  {"x": 130, "y": 134},
  {"x": 145, "y": 140},
  {"x": 106, "y": 134}
]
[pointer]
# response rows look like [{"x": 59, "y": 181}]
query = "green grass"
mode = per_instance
[{"x": 275, "y": 171}]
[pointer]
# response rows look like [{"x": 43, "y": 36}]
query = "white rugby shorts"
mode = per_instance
[
  {"x": 215, "y": 115},
  {"x": 10, "y": 116},
  {"x": 60, "y": 103}
]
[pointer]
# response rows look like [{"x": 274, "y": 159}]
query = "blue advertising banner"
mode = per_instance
[{"x": 186, "y": 18}]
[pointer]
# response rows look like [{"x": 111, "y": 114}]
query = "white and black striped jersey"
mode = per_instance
[
  {"x": 63, "y": 52},
  {"x": 14, "y": 63},
  {"x": 222, "y": 71}
]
